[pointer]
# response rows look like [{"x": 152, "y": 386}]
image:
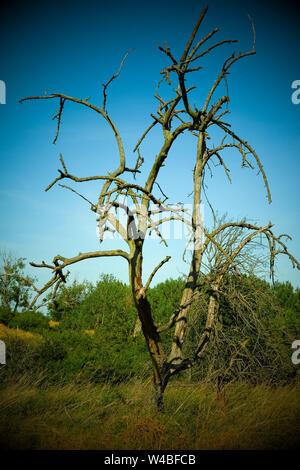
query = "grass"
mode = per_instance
[
  {"x": 87, "y": 416},
  {"x": 25, "y": 335}
]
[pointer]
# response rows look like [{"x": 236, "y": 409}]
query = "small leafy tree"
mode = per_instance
[
  {"x": 175, "y": 116},
  {"x": 68, "y": 299},
  {"x": 15, "y": 288},
  {"x": 18, "y": 291}
]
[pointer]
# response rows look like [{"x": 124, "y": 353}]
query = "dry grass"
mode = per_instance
[
  {"x": 125, "y": 417},
  {"x": 25, "y": 335}
]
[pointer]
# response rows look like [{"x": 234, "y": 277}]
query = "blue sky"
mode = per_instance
[{"x": 74, "y": 47}]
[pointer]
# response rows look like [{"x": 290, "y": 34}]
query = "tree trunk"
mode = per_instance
[
  {"x": 137, "y": 328},
  {"x": 153, "y": 341},
  {"x": 159, "y": 393},
  {"x": 149, "y": 330}
]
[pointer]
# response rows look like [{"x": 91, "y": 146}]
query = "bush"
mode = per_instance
[
  {"x": 51, "y": 349},
  {"x": 5, "y": 315},
  {"x": 29, "y": 321},
  {"x": 21, "y": 356},
  {"x": 252, "y": 338},
  {"x": 86, "y": 307}
]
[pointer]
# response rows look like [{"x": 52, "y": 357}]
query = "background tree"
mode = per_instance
[
  {"x": 67, "y": 300},
  {"x": 15, "y": 289},
  {"x": 18, "y": 291},
  {"x": 175, "y": 115}
]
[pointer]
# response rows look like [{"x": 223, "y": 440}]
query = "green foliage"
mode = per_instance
[
  {"x": 6, "y": 314},
  {"x": 51, "y": 349},
  {"x": 21, "y": 357},
  {"x": 29, "y": 321},
  {"x": 289, "y": 301},
  {"x": 106, "y": 305},
  {"x": 286, "y": 295},
  {"x": 15, "y": 287},
  {"x": 94, "y": 338},
  {"x": 165, "y": 297},
  {"x": 67, "y": 301}
]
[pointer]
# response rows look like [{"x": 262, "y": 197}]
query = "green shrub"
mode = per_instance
[
  {"x": 51, "y": 349},
  {"x": 21, "y": 356},
  {"x": 29, "y": 321},
  {"x": 251, "y": 311},
  {"x": 5, "y": 315}
]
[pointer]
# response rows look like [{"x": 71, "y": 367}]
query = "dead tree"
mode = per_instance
[{"x": 174, "y": 116}]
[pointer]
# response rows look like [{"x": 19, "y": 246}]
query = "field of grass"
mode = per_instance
[{"x": 89, "y": 416}]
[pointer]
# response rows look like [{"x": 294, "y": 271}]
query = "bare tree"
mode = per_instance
[{"x": 174, "y": 116}]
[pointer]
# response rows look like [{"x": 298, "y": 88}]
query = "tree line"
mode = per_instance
[{"x": 88, "y": 332}]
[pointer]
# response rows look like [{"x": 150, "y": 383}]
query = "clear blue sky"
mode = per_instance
[{"x": 74, "y": 47}]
